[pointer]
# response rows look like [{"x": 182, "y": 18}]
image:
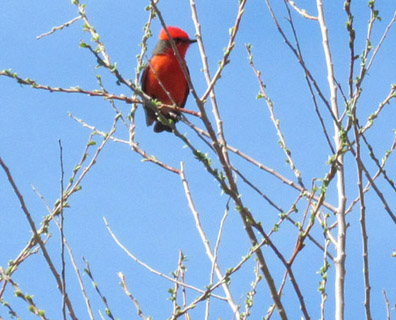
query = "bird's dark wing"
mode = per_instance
[
  {"x": 150, "y": 114},
  {"x": 187, "y": 91}
]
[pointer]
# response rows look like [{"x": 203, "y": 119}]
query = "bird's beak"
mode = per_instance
[{"x": 192, "y": 40}]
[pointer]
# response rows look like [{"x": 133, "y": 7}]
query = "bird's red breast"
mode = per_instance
[{"x": 166, "y": 68}]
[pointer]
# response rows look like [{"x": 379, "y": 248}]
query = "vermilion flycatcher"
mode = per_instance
[{"x": 165, "y": 67}]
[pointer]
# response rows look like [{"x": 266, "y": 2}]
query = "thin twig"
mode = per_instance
[
  {"x": 251, "y": 294},
  {"x": 182, "y": 279},
  {"x": 111, "y": 101},
  {"x": 275, "y": 121},
  {"x": 387, "y": 29},
  {"x": 377, "y": 163},
  {"x": 387, "y": 305},
  {"x": 54, "y": 29},
  {"x": 374, "y": 115},
  {"x": 146, "y": 266},
  {"x": 129, "y": 294},
  {"x": 80, "y": 281},
  {"x": 96, "y": 286},
  {"x": 215, "y": 254},
  {"x": 301, "y": 12},
  {"x": 323, "y": 282}
]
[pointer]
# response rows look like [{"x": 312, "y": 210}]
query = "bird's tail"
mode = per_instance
[
  {"x": 150, "y": 116},
  {"x": 159, "y": 127}
]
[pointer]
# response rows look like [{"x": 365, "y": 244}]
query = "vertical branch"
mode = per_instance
[
  {"x": 388, "y": 317},
  {"x": 62, "y": 236},
  {"x": 351, "y": 30},
  {"x": 174, "y": 291},
  {"x": 323, "y": 272},
  {"x": 251, "y": 294},
  {"x": 362, "y": 218},
  {"x": 367, "y": 287},
  {"x": 184, "y": 293},
  {"x": 215, "y": 253},
  {"x": 341, "y": 237}
]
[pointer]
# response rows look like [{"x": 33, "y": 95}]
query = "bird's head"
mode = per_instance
[{"x": 180, "y": 38}]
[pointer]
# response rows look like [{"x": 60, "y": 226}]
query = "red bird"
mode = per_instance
[{"x": 165, "y": 67}]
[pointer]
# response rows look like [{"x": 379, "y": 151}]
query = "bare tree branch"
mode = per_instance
[{"x": 341, "y": 238}]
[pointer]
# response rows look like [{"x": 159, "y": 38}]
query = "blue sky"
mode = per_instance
[{"x": 144, "y": 204}]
